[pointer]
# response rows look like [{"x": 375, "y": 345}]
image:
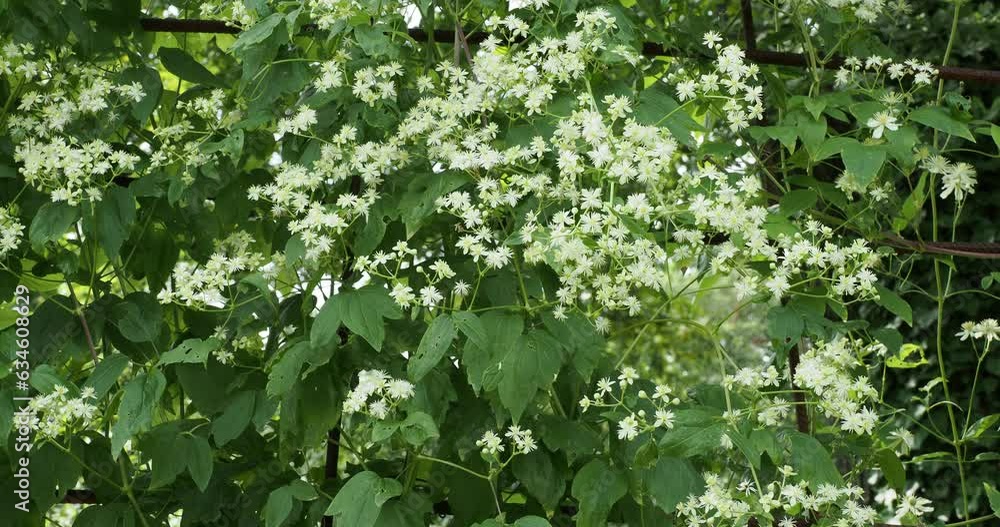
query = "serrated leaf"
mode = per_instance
[
  {"x": 671, "y": 481},
  {"x": 812, "y": 461},
  {"x": 538, "y": 474},
  {"x": 597, "y": 487},
  {"x": 285, "y": 372},
  {"x": 696, "y": 431},
  {"x": 418, "y": 428},
  {"x": 360, "y": 500},
  {"x": 864, "y": 161},
  {"x": 135, "y": 413},
  {"x": 993, "y": 496},
  {"x": 433, "y": 346},
  {"x": 363, "y": 312},
  {"x": 901, "y": 359},
  {"x": 528, "y": 367},
  {"x": 51, "y": 222},
  {"x": 191, "y": 351}
]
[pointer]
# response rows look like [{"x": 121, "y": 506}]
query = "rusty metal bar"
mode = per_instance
[{"x": 773, "y": 58}]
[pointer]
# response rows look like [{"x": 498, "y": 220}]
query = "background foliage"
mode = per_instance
[{"x": 214, "y": 404}]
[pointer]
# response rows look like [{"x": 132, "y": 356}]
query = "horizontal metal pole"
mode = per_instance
[{"x": 652, "y": 49}]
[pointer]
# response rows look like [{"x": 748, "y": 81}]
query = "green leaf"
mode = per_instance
[
  {"x": 361, "y": 310},
  {"x": 940, "y": 119},
  {"x": 899, "y": 360},
  {"x": 178, "y": 62},
  {"x": 785, "y": 326},
  {"x": 278, "y": 507},
  {"x": 696, "y": 431},
  {"x": 797, "y": 200},
  {"x": 993, "y": 496},
  {"x": 256, "y": 34},
  {"x": 234, "y": 418},
  {"x": 418, "y": 428},
  {"x": 597, "y": 487},
  {"x": 470, "y": 326},
  {"x": 433, "y": 346},
  {"x": 981, "y": 426},
  {"x": 138, "y": 317},
  {"x": 532, "y": 521},
  {"x": 914, "y": 202},
  {"x": 539, "y": 476},
  {"x": 420, "y": 199},
  {"x": 199, "y": 460},
  {"x": 231, "y": 145},
  {"x": 191, "y": 351},
  {"x": 151, "y": 83},
  {"x": 135, "y": 413},
  {"x": 864, "y": 161},
  {"x": 285, "y": 372},
  {"x": 812, "y": 461},
  {"x": 888, "y": 299},
  {"x": 995, "y": 134},
  {"x": 51, "y": 222},
  {"x": 892, "y": 468},
  {"x": 106, "y": 374},
  {"x": 657, "y": 107},
  {"x": 671, "y": 481},
  {"x": 528, "y": 367},
  {"x": 374, "y": 41},
  {"x": 360, "y": 500},
  {"x": 115, "y": 216}
]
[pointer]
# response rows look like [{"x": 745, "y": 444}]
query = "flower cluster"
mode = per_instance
[
  {"x": 855, "y": 69},
  {"x": 865, "y": 10},
  {"x": 11, "y": 230},
  {"x": 300, "y": 192},
  {"x": 203, "y": 285},
  {"x": 298, "y": 123},
  {"x": 726, "y": 503},
  {"x": 389, "y": 265},
  {"x": 827, "y": 369},
  {"x": 69, "y": 172},
  {"x": 637, "y": 421},
  {"x": 372, "y": 85},
  {"x": 377, "y": 394},
  {"x": 521, "y": 440},
  {"x": 987, "y": 329},
  {"x": 958, "y": 179},
  {"x": 328, "y": 13},
  {"x": 56, "y": 413},
  {"x": 732, "y": 80}
]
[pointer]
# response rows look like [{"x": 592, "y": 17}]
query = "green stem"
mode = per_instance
[{"x": 453, "y": 465}]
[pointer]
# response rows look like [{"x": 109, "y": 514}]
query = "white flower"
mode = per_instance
[
  {"x": 959, "y": 179},
  {"x": 664, "y": 419},
  {"x": 301, "y": 122},
  {"x": 712, "y": 39},
  {"x": 628, "y": 428},
  {"x": 627, "y": 376},
  {"x": 430, "y": 296},
  {"x": 911, "y": 504},
  {"x": 880, "y": 122},
  {"x": 490, "y": 443},
  {"x": 400, "y": 389}
]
